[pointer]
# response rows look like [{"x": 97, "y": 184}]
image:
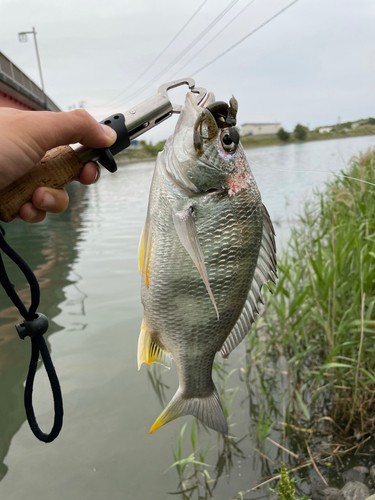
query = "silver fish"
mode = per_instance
[{"x": 207, "y": 249}]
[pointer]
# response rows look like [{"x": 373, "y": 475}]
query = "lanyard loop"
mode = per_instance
[{"x": 34, "y": 326}]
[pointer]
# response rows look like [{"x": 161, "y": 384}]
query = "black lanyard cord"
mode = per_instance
[{"x": 34, "y": 326}]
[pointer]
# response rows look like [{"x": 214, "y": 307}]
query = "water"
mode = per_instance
[{"x": 86, "y": 262}]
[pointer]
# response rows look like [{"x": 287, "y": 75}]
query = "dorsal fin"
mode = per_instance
[{"x": 265, "y": 271}]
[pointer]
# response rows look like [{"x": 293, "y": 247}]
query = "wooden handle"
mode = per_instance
[{"x": 56, "y": 169}]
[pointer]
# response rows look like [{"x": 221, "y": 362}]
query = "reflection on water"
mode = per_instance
[
  {"x": 198, "y": 479},
  {"x": 155, "y": 375},
  {"x": 286, "y": 175},
  {"x": 49, "y": 251},
  {"x": 86, "y": 261}
]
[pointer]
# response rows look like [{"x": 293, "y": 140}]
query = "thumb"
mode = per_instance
[{"x": 58, "y": 129}]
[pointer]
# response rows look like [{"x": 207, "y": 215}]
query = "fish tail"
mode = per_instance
[{"x": 207, "y": 409}]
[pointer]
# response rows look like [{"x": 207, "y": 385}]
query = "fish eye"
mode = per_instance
[{"x": 227, "y": 141}]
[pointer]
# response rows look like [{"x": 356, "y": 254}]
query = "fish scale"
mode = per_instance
[{"x": 203, "y": 240}]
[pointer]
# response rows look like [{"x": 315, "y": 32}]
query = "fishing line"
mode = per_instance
[
  {"x": 157, "y": 58},
  {"x": 213, "y": 38},
  {"x": 312, "y": 171},
  {"x": 243, "y": 38},
  {"x": 184, "y": 52}
]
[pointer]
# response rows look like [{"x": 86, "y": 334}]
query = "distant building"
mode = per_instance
[
  {"x": 18, "y": 91},
  {"x": 324, "y": 130},
  {"x": 260, "y": 128}
]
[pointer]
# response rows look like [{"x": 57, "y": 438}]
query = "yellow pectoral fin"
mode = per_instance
[
  {"x": 149, "y": 352},
  {"x": 141, "y": 251},
  {"x": 147, "y": 272},
  {"x": 144, "y": 251}
]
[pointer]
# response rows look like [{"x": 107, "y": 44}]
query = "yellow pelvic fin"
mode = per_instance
[{"x": 148, "y": 351}]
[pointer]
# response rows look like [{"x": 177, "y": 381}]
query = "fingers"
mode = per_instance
[
  {"x": 50, "y": 200},
  {"x": 44, "y": 200},
  {"x": 56, "y": 129},
  {"x": 29, "y": 213},
  {"x": 55, "y": 200},
  {"x": 89, "y": 174}
]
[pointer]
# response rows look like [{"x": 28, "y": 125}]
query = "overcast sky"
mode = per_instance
[{"x": 312, "y": 64}]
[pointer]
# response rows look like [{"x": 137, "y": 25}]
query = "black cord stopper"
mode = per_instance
[
  {"x": 34, "y": 328},
  {"x": 117, "y": 123}
]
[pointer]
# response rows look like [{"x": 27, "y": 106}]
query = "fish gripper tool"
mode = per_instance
[{"x": 142, "y": 118}]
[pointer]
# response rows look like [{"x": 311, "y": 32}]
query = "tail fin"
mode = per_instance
[{"x": 207, "y": 409}]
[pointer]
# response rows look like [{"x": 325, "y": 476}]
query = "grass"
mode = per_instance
[
  {"x": 196, "y": 478},
  {"x": 322, "y": 314},
  {"x": 286, "y": 487}
]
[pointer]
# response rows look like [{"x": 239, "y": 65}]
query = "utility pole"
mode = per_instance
[{"x": 22, "y": 37}]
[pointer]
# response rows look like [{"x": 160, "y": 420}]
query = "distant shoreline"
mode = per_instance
[
  {"x": 249, "y": 142},
  {"x": 257, "y": 142}
]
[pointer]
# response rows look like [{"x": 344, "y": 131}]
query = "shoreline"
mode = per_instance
[
  {"x": 253, "y": 142},
  {"x": 140, "y": 155}
]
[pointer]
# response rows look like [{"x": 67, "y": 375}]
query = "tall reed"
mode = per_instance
[{"x": 321, "y": 316}]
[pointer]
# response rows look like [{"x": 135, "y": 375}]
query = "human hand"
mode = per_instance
[{"x": 26, "y": 136}]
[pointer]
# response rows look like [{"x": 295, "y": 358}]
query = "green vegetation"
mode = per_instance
[
  {"x": 196, "y": 478},
  {"x": 353, "y": 125},
  {"x": 300, "y": 132},
  {"x": 153, "y": 149},
  {"x": 285, "y": 487},
  {"x": 283, "y": 135},
  {"x": 321, "y": 317},
  {"x": 145, "y": 151},
  {"x": 344, "y": 125}
]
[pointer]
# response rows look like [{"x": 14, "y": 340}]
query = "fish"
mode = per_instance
[{"x": 206, "y": 250}]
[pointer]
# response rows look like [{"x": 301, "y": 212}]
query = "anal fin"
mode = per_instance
[{"x": 149, "y": 352}]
